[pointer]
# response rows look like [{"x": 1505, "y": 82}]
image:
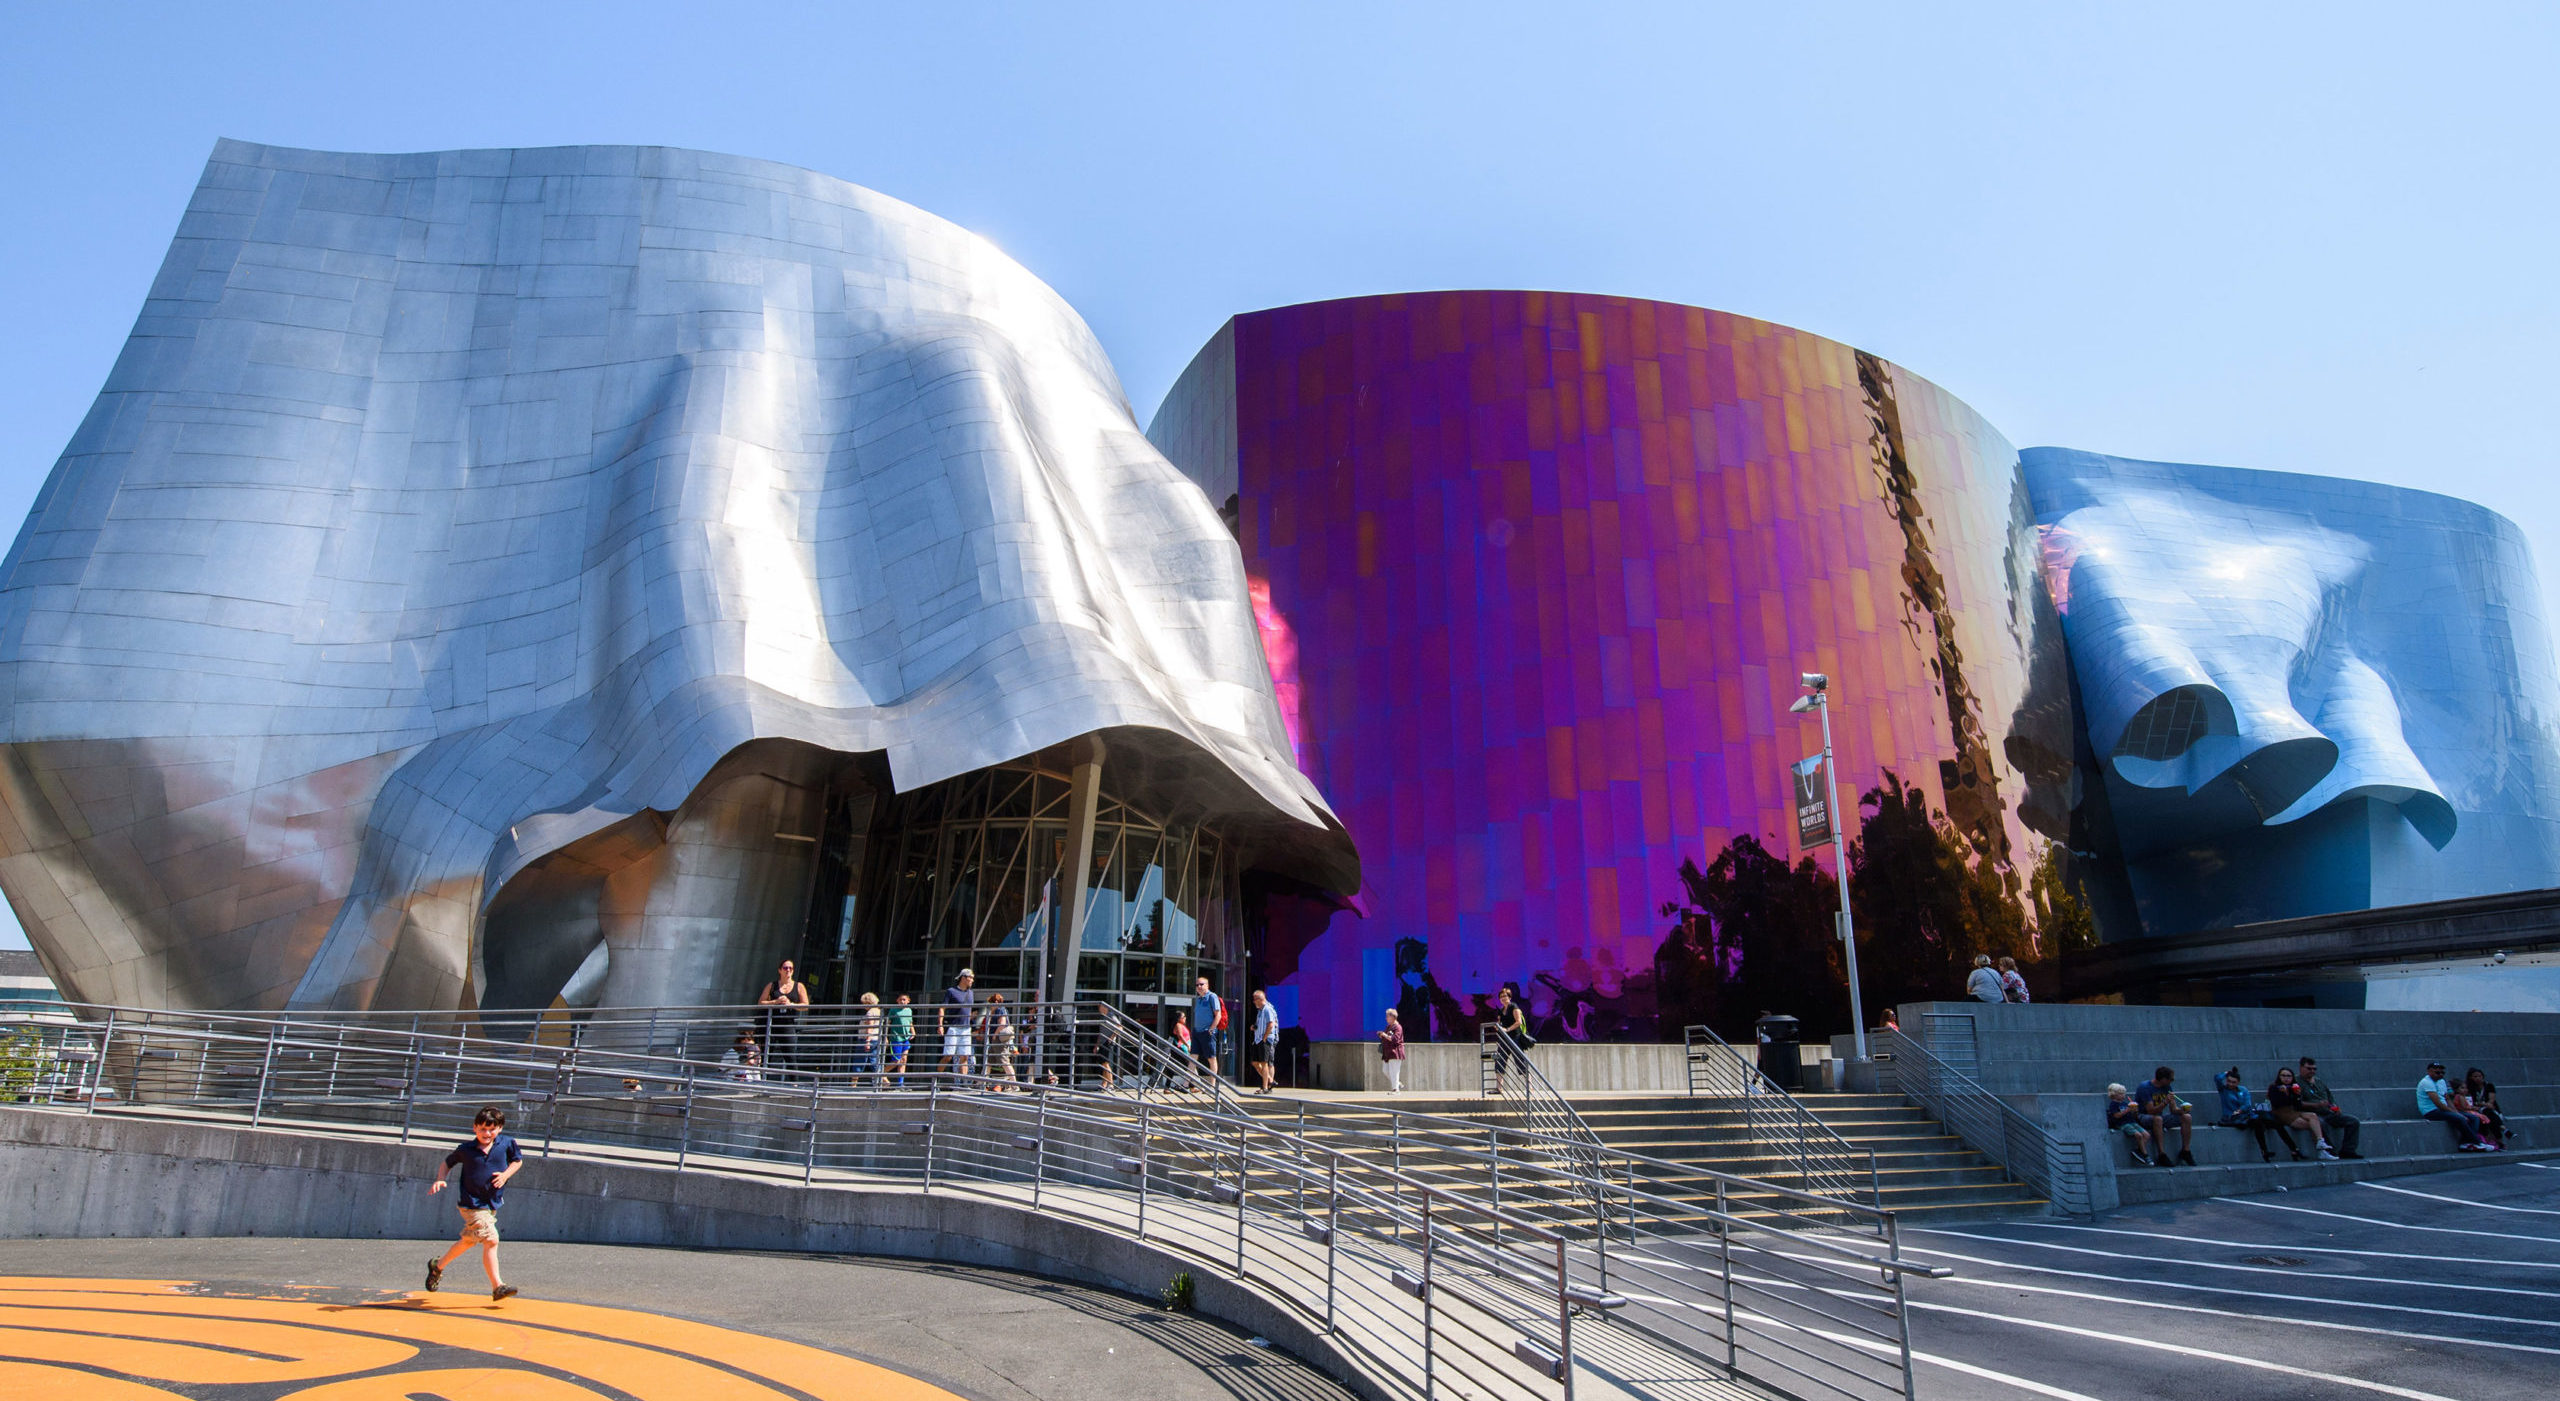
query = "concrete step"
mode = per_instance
[{"x": 2135, "y": 1186}]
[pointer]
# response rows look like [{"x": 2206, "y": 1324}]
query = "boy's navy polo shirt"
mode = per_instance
[{"x": 480, "y": 1169}]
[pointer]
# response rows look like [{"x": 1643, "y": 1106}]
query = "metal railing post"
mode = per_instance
[
  {"x": 684, "y": 1135},
  {"x": 1244, "y": 1187},
  {"x": 1142, "y": 1169},
  {"x": 1724, "y": 1271},
  {"x": 409, "y": 1086},
  {"x": 1040, "y": 1148},
  {"x": 98, "y": 1077},
  {"x": 564, "y": 1077},
  {"x": 809, "y": 1152},
  {"x": 266, "y": 1066},
  {"x": 1429, "y": 1367},
  {"x": 932, "y": 1122},
  {"x": 1396, "y": 1187},
  {"x": 1332, "y": 1229},
  {"x": 1493, "y": 1171},
  {"x": 1299, "y": 1148},
  {"x": 1901, "y": 1308},
  {"x": 1564, "y": 1319}
]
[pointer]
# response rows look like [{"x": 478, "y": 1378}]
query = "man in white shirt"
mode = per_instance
[
  {"x": 2432, "y": 1104},
  {"x": 1265, "y": 1055}
]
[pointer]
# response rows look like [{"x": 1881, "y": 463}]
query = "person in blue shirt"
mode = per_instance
[
  {"x": 2243, "y": 1110},
  {"x": 2162, "y": 1110},
  {"x": 2125, "y": 1117},
  {"x": 1207, "y": 1040},
  {"x": 487, "y": 1159}
]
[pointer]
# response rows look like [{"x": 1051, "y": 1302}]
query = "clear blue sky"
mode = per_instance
[{"x": 2316, "y": 238}]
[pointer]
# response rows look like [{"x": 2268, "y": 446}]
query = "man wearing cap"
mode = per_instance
[
  {"x": 955, "y": 1019},
  {"x": 2343, "y": 1128},
  {"x": 2432, "y": 1104}
]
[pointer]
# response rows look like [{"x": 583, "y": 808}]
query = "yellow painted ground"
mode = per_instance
[{"x": 156, "y": 1340}]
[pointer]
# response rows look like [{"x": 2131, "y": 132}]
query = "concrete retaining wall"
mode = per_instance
[
  {"x": 1450, "y": 1067},
  {"x": 70, "y": 1175},
  {"x": 2372, "y": 1060}
]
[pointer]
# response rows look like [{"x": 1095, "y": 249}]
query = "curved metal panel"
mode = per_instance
[
  {"x": 1542, "y": 571},
  {"x": 445, "y": 508},
  {"x": 2306, "y": 694}
]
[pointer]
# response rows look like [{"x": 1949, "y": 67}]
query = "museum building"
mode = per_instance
[{"x": 586, "y": 576}]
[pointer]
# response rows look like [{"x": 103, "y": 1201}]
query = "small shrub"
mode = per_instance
[
  {"x": 23, "y": 1060},
  {"x": 1180, "y": 1292}
]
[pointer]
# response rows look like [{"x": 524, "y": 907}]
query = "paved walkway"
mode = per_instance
[
  {"x": 2428, "y": 1289},
  {"x": 260, "y": 1320}
]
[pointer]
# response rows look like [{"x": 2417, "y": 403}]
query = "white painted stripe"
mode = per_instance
[
  {"x": 2156, "y": 1345},
  {"x": 2395, "y": 1225},
  {"x": 1969, "y": 1369},
  {"x": 2129, "y": 1257},
  {"x": 1851, "y": 1340},
  {"x": 2456, "y": 1201},
  {"x": 2279, "y": 1248},
  {"x": 2003, "y": 1378},
  {"x": 2227, "y": 1314},
  {"x": 2546, "y": 1167},
  {"x": 2324, "y": 1300}
]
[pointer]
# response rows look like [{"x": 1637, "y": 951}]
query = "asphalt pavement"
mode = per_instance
[
  {"x": 2436, "y": 1288},
  {"x": 986, "y": 1335}
]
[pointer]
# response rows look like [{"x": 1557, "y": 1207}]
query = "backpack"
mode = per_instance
[{"x": 1222, "y": 1014}]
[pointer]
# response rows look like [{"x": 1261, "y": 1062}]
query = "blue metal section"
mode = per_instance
[{"x": 2304, "y": 694}]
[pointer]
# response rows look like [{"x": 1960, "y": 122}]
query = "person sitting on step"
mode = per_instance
[
  {"x": 2125, "y": 1117},
  {"x": 2241, "y": 1110},
  {"x": 2291, "y": 1104}
]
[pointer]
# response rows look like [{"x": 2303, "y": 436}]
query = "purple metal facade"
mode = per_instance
[{"x": 1551, "y": 564}]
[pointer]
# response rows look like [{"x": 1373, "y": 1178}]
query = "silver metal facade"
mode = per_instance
[
  {"x": 447, "y": 509},
  {"x": 2304, "y": 694}
]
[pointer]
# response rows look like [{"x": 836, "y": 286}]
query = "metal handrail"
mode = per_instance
[
  {"x": 1438, "y": 1255},
  {"x": 2056, "y": 1169},
  {"x": 1537, "y": 1102},
  {"x": 1825, "y": 1162}
]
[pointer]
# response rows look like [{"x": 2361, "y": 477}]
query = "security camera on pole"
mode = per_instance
[{"x": 1817, "y": 699}]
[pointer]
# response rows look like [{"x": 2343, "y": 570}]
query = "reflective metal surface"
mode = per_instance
[
  {"x": 2306, "y": 694},
  {"x": 446, "y": 509},
  {"x": 1542, "y": 571}
]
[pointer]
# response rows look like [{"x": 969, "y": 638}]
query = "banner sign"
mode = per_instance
[{"x": 1813, "y": 804}]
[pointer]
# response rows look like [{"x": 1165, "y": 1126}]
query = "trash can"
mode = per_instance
[{"x": 1780, "y": 1057}]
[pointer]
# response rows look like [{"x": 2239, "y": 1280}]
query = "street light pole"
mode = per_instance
[{"x": 1819, "y": 702}]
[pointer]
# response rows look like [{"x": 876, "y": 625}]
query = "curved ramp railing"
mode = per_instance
[{"x": 1472, "y": 1276}]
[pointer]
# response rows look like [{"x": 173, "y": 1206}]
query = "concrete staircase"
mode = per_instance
[{"x": 1922, "y": 1171}]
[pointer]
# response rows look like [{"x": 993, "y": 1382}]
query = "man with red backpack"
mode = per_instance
[{"x": 1208, "y": 1026}]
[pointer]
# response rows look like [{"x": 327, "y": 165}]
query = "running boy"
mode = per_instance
[{"x": 487, "y": 1160}]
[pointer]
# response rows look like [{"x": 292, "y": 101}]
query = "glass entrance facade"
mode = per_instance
[{"x": 964, "y": 873}]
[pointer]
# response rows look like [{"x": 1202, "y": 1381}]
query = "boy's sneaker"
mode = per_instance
[
  {"x": 502, "y": 1292},
  {"x": 2468, "y": 1147},
  {"x": 435, "y": 1275},
  {"x": 2326, "y": 1156},
  {"x": 2185, "y": 1158},
  {"x": 2141, "y": 1160}
]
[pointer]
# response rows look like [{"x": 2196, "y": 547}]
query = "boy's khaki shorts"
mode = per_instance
[{"x": 480, "y": 1224}]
